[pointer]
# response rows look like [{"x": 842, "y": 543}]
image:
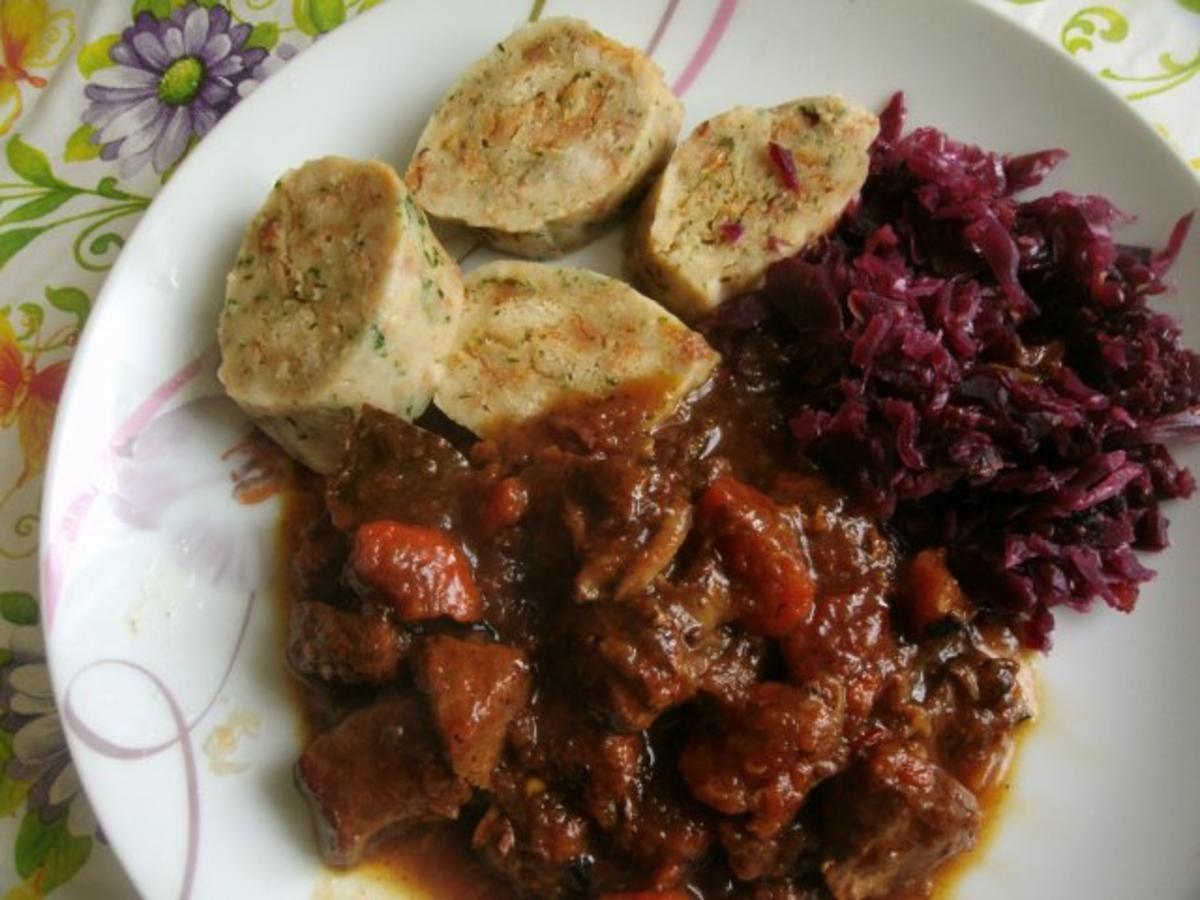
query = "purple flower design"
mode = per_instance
[
  {"x": 173, "y": 81},
  {"x": 39, "y": 747}
]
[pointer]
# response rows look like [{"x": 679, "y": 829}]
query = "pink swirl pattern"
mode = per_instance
[
  {"x": 93, "y": 740},
  {"x": 708, "y": 45},
  {"x": 663, "y": 23}
]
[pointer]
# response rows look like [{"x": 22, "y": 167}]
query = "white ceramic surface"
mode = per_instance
[{"x": 159, "y": 588}]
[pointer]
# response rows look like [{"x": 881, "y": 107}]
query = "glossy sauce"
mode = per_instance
[{"x": 733, "y": 431}]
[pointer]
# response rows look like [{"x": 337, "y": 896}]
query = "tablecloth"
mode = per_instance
[{"x": 99, "y": 103}]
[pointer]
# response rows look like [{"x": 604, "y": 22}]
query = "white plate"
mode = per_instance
[{"x": 158, "y": 587}]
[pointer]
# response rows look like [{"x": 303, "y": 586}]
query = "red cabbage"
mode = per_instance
[{"x": 985, "y": 372}]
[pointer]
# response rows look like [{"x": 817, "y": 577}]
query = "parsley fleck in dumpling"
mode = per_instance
[
  {"x": 544, "y": 140},
  {"x": 341, "y": 295},
  {"x": 747, "y": 188},
  {"x": 535, "y": 335}
]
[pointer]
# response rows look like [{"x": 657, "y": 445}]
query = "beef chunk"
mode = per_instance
[
  {"x": 737, "y": 666},
  {"x": 847, "y": 549},
  {"x": 666, "y": 833},
  {"x": 346, "y": 646},
  {"x": 762, "y": 755},
  {"x": 639, "y": 658},
  {"x": 557, "y": 737},
  {"x": 626, "y": 521},
  {"x": 891, "y": 820},
  {"x": 317, "y": 564},
  {"x": 612, "y": 766},
  {"x": 395, "y": 468},
  {"x": 475, "y": 689},
  {"x": 380, "y": 769},
  {"x": 533, "y": 838},
  {"x": 796, "y": 847},
  {"x": 975, "y": 696},
  {"x": 850, "y": 638}
]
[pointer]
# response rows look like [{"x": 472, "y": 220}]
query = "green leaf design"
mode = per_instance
[
  {"x": 160, "y": 9},
  {"x": 328, "y": 14},
  {"x": 107, "y": 187},
  {"x": 12, "y": 791},
  {"x": 12, "y": 794},
  {"x": 33, "y": 844},
  {"x": 19, "y": 608},
  {"x": 1077, "y": 33},
  {"x": 50, "y": 848},
  {"x": 1172, "y": 75},
  {"x": 106, "y": 242},
  {"x": 36, "y": 208},
  {"x": 1190, "y": 5},
  {"x": 67, "y": 856},
  {"x": 79, "y": 145},
  {"x": 367, "y": 4},
  {"x": 93, "y": 56},
  {"x": 13, "y": 242},
  {"x": 31, "y": 164},
  {"x": 302, "y": 17},
  {"x": 32, "y": 317},
  {"x": 265, "y": 35},
  {"x": 315, "y": 17},
  {"x": 70, "y": 300}
]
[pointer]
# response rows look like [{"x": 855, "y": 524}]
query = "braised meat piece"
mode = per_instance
[
  {"x": 532, "y": 837},
  {"x": 640, "y": 658},
  {"x": 317, "y": 562},
  {"x": 626, "y": 520},
  {"x": 475, "y": 689},
  {"x": 738, "y": 665},
  {"x": 666, "y": 833},
  {"x": 344, "y": 646},
  {"x": 850, "y": 638},
  {"x": 762, "y": 756},
  {"x": 975, "y": 694},
  {"x": 848, "y": 551},
  {"x": 381, "y": 769},
  {"x": 613, "y": 766},
  {"x": 891, "y": 821},
  {"x": 396, "y": 469},
  {"x": 793, "y": 849},
  {"x": 560, "y": 740}
]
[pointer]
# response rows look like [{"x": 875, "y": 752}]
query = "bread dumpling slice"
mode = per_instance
[
  {"x": 544, "y": 140},
  {"x": 747, "y": 188},
  {"x": 341, "y": 295},
  {"x": 534, "y": 336}
]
